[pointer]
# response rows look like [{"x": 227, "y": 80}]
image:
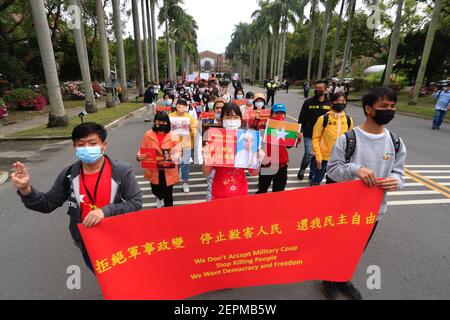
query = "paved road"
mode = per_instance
[{"x": 411, "y": 245}]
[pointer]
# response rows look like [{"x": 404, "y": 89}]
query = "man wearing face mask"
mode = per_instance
[
  {"x": 96, "y": 187},
  {"x": 312, "y": 109},
  {"x": 372, "y": 154}
]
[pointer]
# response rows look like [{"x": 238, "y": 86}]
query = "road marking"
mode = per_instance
[
  {"x": 415, "y": 202},
  {"x": 252, "y": 191},
  {"x": 429, "y": 183},
  {"x": 389, "y": 203}
]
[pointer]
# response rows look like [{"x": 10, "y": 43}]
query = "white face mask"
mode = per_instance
[
  {"x": 232, "y": 124},
  {"x": 259, "y": 104},
  {"x": 240, "y": 97}
]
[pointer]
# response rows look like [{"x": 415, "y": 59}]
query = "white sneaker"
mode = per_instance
[
  {"x": 185, "y": 188},
  {"x": 159, "y": 203}
]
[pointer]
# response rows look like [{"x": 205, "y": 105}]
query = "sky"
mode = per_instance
[{"x": 216, "y": 20}]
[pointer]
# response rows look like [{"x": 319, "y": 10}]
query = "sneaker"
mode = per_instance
[
  {"x": 185, "y": 188},
  {"x": 159, "y": 203},
  {"x": 348, "y": 289},
  {"x": 301, "y": 175},
  {"x": 330, "y": 290}
]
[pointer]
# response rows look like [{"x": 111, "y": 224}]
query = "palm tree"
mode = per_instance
[
  {"x": 329, "y": 6},
  {"x": 120, "y": 49},
  {"x": 150, "y": 36},
  {"x": 145, "y": 25},
  {"x": 336, "y": 40},
  {"x": 348, "y": 42},
  {"x": 427, "y": 50},
  {"x": 312, "y": 37},
  {"x": 394, "y": 43},
  {"x": 154, "y": 39},
  {"x": 104, "y": 49},
  {"x": 57, "y": 116},
  {"x": 138, "y": 46},
  {"x": 80, "y": 44}
]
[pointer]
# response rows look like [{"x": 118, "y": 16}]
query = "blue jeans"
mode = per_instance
[
  {"x": 439, "y": 117},
  {"x": 308, "y": 157},
  {"x": 185, "y": 164},
  {"x": 318, "y": 174}
]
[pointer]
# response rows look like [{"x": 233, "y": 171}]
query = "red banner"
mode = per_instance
[{"x": 173, "y": 253}]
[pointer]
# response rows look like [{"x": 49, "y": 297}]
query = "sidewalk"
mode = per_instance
[{"x": 42, "y": 120}]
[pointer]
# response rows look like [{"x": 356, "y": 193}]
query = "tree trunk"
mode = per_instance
[
  {"x": 120, "y": 49},
  {"x": 154, "y": 41},
  {"x": 150, "y": 35},
  {"x": 169, "y": 51},
  {"x": 57, "y": 116},
  {"x": 105, "y": 51},
  {"x": 336, "y": 41},
  {"x": 348, "y": 42},
  {"x": 324, "y": 38},
  {"x": 394, "y": 44},
  {"x": 272, "y": 60},
  {"x": 265, "y": 57},
  {"x": 138, "y": 47},
  {"x": 313, "y": 35},
  {"x": 427, "y": 50},
  {"x": 147, "y": 41},
  {"x": 261, "y": 60},
  {"x": 83, "y": 60},
  {"x": 174, "y": 59}
]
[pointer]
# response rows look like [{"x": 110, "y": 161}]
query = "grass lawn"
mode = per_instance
[
  {"x": 17, "y": 116},
  {"x": 103, "y": 116},
  {"x": 424, "y": 107}
]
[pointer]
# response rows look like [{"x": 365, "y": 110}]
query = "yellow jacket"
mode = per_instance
[
  {"x": 324, "y": 137},
  {"x": 185, "y": 142}
]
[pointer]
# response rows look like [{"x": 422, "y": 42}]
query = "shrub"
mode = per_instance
[
  {"x": 26, "y": 99},
  {"x": 3, "y": 109}
]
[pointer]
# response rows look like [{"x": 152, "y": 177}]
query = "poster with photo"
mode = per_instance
[
  {"x": 153, "y": 161},
  {"x": 257, "y": 119},
  {"x": 180, "y": 125},
  {"x": 232, "y": 148}
]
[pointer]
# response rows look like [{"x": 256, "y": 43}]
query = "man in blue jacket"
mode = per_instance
[{"x": 442, "y": 106}]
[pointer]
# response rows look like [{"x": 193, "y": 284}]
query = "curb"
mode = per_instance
[{"x": 58, "y": 138}]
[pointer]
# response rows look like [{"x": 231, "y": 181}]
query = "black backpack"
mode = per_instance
[
  {"x": 350, "y": 136},
  {"x": 327, "y": 116}
]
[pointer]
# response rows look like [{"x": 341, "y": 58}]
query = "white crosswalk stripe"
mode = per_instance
[{"x": 413, "y": 193}]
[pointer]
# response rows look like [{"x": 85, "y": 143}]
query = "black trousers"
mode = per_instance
[
  {"x": 279, "y": 181},
  {"x": 270, "y": 96},
  {"x": 162, "y": 191}
]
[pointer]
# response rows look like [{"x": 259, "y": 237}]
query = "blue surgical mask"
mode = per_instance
[
  {"x": 89, "y": 155},
  {"x": 168, "y": 103},
  {"x": 259, "y": 104},
  {"x": 249, "y": 101}
]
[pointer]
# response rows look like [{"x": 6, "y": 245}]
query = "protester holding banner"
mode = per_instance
[
  {"x": 274, "y": 167},
  {"x": 371, "y": 153},
  {"x": 326, "y": 131},
  {"x": 96, "y": 187},
  {"x": 187, "y": 142},
  {"x": 229, "y": 182},
  {"x": 160, "y": 138},
  {"x": 312, "y": 109}
]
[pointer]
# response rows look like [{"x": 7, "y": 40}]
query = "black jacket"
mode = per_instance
[{"x": 312, "y": 109}]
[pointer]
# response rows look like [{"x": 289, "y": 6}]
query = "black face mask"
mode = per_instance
[
  {"x": 383, "y": 117},
  {"x": 338, "y": 107},
  {"x": 318, "y": 93},
  {"x": 161, "y": 128}
]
